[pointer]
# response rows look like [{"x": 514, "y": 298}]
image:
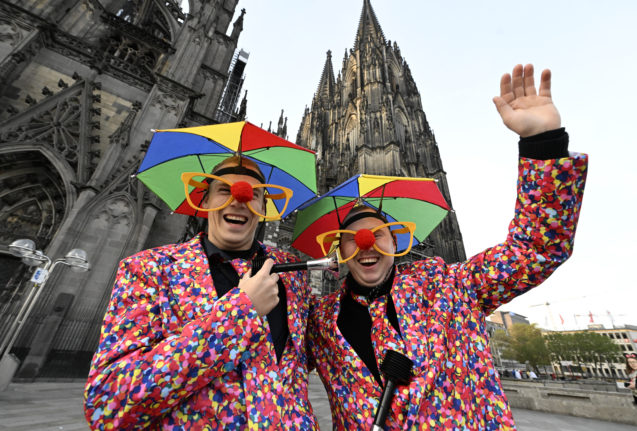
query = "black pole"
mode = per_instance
[{"x": 397, "y": 370}]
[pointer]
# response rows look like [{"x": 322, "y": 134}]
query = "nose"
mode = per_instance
[
  {"x": 364, "y": 239},
  {"x": 242, "y": 191}
]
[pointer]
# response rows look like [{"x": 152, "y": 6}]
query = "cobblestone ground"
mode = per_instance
[{"x": 58, "y": 406}]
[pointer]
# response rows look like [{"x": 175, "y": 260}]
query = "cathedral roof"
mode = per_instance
[{"x": 368, "y": 25}]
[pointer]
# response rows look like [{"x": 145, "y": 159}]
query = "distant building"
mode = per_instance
[
  {"x": 502, "y": 321},
  {"x": 625, "y": 337},
  {"x": 508, "y": 318}
]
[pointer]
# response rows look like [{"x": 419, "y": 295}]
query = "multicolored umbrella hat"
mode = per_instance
[
  {"x": 198, "y": 149},
  {"x": 399, "y": 199}
]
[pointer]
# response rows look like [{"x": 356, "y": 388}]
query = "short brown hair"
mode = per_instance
[
  {"x": 357, "y": 209},
  {"x": 238, "y": 161}
]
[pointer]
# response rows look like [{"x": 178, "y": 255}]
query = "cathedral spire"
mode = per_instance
[
  {"x": 238, "y": 26},
  {"x": 368, "y": 26},
  {"x": 325, "y": 89}
]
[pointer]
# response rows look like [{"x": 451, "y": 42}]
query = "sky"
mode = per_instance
[{"x": 457, "y": 51}]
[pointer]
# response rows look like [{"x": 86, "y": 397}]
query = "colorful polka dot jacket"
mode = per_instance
[
  {"x": 441, "y": 312},
  {"x": 173, "y": 356}
]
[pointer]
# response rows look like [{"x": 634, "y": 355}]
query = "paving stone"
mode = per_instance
[{"x": 55, "y": 406}]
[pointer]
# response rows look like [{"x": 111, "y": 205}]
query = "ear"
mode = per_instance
[{"x": 204, "y": 199}]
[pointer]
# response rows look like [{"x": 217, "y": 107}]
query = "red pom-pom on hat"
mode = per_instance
[
  {"x": 241, "y": 191},
  {"x": 364, "y": 239}
]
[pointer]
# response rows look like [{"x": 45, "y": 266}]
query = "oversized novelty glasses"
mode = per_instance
[
  {"x": 402, "y": 232},
  {"x": 241, "y": 191}
]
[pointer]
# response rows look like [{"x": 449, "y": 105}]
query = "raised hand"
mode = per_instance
[
  {"x": 262, "y": 288},
  {"x": 522, "y": 108}
]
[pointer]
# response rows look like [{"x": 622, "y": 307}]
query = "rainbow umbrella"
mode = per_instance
[
  {"x": 402, "y": 199},
  {"x": 199, "y": 149}
]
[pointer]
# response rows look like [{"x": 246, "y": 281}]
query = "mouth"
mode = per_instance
[
  {"x": 368, "y": 261},
  {"x": 235, "y": 219}
]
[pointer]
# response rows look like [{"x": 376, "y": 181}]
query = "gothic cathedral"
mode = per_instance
[
  {"x": 370, "y": 120},
  {"x": 82, "y": 83}
]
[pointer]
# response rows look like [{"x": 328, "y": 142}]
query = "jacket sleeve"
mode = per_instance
[
  {"x": 140, "y": 371},
  {"x": 540, "y": 238}
]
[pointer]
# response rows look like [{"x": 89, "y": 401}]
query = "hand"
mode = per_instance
[
  {"x": 262, "y": 288},
  {"x": 631, "y": 385},
  {"x": 522, "y": 109}
]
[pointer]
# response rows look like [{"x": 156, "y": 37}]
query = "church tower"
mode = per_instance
[
  {"x": 82, "y": 83},
  {"x": 369, "y": 119}
]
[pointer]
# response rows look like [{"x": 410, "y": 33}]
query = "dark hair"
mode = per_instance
[
  {"x": 630, "y": 369},
  {"x": 356, "y": 214},
  {"x": 240, "y": 161}
]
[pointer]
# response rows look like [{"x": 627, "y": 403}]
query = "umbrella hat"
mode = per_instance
[
  {"x": 198, "y": 149},
  {"x": 401, "y": 199}
]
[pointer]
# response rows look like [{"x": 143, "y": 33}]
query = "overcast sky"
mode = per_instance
[{"x": 457, "y": 52}]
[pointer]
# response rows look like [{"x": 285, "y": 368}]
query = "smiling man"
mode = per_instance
[
  {"x": 434, "y": 312},
  {"x": 192, "y": 340}
]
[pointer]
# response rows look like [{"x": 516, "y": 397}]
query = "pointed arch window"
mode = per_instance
[{"x": 351, "y": 133}]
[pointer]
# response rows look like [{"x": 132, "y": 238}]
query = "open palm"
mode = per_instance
[{"x": 522, "y": 108}]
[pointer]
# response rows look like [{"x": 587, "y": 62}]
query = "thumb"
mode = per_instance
[{"x": 502, "y": 107}]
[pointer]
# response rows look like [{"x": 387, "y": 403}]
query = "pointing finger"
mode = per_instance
[{"x": 529, "y": 81}]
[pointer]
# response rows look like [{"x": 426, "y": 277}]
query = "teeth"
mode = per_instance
[
  {"x": 239, "y": 219},
  {"x": 368, "y": 260}
]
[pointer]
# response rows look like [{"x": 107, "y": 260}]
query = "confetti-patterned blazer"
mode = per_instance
[
  {"x": 173, "y": 356},
  {"x": 441, "y": 312}
]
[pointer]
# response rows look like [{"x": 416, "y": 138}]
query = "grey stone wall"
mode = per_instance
[{"x": 601, "y": 401}]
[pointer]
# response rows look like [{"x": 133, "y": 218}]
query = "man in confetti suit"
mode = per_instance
[
  {"x": 191, "y": 340},
  {"x": 433, "y": 312}
]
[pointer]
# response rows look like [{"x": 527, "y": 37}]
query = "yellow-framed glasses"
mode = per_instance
[
  {"x": 201, "y": 181},
  {"x": 331, "y": 239}
]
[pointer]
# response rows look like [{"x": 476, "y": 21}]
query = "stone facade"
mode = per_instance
[
  {"x": 369, "y": 119},
  {"x": 82, "y": 83}
]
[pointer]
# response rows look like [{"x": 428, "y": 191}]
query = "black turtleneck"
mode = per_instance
[
  {"x": 225, "y": 278},
  {"x": 355, "y": 323}
]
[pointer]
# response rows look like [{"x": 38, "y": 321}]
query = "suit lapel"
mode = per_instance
[
  {"x": 425, "y": 339},
  {"x": 189, "y": 280},
  {"x": 346, "y": 355}
]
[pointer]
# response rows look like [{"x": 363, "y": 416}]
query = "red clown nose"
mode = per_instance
[
  {"x": 241, "y": 191},
  {"x": 364, "y": 239}
]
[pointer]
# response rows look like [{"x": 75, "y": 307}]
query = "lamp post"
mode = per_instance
[{"x": 25, "y": 249}]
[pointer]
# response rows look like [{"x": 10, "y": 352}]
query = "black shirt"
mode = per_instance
[{"x": 355, "y": 323}]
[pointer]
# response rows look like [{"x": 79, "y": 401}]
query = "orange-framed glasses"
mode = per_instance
[
  {"x": 237, "y": 191},
  {"x": 330, "y": 240}
]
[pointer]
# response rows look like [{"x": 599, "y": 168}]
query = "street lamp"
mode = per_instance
[{"x": 25, "y": 249}]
